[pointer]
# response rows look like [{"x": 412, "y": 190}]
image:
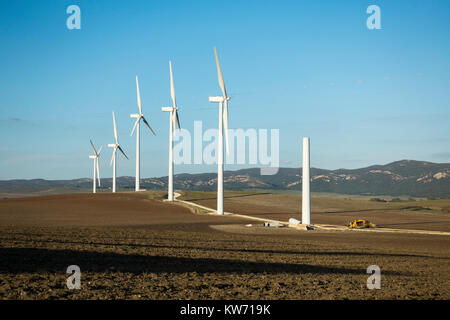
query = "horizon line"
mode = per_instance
[{"x": 215, "y": 172}]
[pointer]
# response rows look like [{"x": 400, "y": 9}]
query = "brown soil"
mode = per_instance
[
  {"x": 132, "y": 247},
  {"x": 336, "y": 212}
]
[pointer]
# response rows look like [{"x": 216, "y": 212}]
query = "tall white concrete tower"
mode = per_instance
[{"x": 306, "y": 195}]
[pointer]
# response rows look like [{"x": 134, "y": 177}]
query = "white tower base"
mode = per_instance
[
  {"x": 170, "y": 176},
  {"x": 306, "y": 195},
  {"x": 138, "y": 157},
  {"x": 94, "y": 187},
  {"x": 220, "y": 163}
]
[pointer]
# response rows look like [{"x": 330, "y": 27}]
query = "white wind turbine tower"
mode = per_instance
[
  {"x": 306, "y": 194},
  {"x": 114, "y": 155},
  {"x": 223, "y": 122},
  {"x": 137, "y": 126},
  {"x": 173, "y": 120},
  {"x": 96, "y": 168}
]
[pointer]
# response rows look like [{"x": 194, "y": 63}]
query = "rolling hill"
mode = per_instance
[{"x": 406, "y": 177}]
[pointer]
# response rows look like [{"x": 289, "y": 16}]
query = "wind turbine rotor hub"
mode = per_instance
[{"x": 216, "y": 99}]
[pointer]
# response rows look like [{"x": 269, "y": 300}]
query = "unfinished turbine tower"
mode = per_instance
[
  {"x": 173, "y": 120},
  {"x": 306, "y": 195},
  {"x": 136, "y": 127},
  {"x": 223, "y": 124},
  {"x": 114, "y": 155},
  {"x": 96, "y": 168}
]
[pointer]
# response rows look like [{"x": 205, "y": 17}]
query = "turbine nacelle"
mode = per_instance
[
  {"x": 116, "y": 147},
  {"x": 168, "y": 109},
  {"x": 218, "y": 99}
]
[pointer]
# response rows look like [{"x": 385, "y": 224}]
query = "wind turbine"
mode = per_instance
[
  {"x": 306, "y": 194},
  {"x": 173, "y": 119},
  {"x": 96, "y": 167},
  {"x": 114, "y": 155},
  {"x": 223, "y": 122},
  {"x": 138, "y": 117}
]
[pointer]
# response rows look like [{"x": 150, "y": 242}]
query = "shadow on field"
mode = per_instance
[
  {"x": 19, "y": 260},
  {"x": 214, "y": 249}
]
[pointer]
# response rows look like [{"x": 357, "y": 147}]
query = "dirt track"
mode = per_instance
[
  {"x": 132, "y": 247},
  {"x": 284, "y": 206}
]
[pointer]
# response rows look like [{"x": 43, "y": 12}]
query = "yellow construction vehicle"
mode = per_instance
[{"x": 360, "y": 224}]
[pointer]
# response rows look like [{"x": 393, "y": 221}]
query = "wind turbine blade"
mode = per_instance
[
  {"x": 172, "y": 88},
  {"x": 95, "y": 151},
  {"x": 99, "y": 151},
  {"x": 225, "y": 124},
  {"x": 135, "y": 125},
  {"x": 98, "y": 172},
  {"x": 172, "y": 119},
  {"x": 112, "y": 158},
  {"x": 145, "y": 121},
  {"x": 120, "y": 149},
  {"x": 138, "y": 95},
  {"x": 115, "y": 129},
  {"x": 177, "y": 119},
  {"x": 219, "y": 74}
]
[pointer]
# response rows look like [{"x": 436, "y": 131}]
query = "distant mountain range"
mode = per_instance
[{"x": 406, "y": 177}]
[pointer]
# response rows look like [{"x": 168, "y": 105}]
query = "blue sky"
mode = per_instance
[{"x": 308, "y": 68}]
